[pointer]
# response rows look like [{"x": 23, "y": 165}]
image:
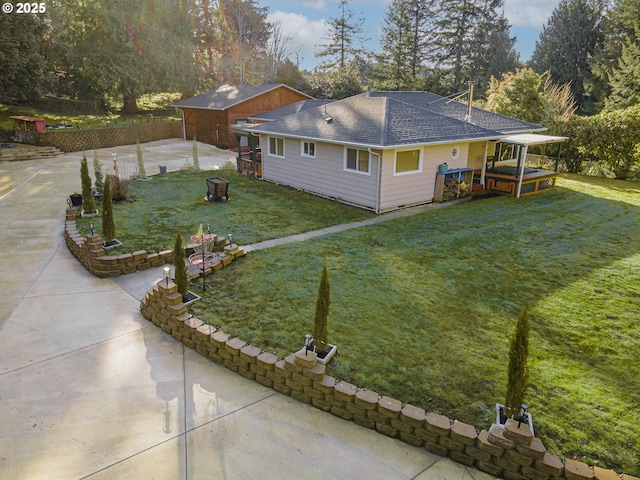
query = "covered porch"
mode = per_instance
[
  {"x": 248, "y": 150},
  {"x": 506, "y": 172}
]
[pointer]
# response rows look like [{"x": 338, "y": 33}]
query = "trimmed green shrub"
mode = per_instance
[
  {"x": 88, "y": 204},
  {"x": 518, "y": 370},
  {"x": 180, "y": 266},
  {"x": 320, "y": 324},
  {"x": 108, "y": 226}
]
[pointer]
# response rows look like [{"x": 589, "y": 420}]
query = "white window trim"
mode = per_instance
[
  {"x": 273, "y": 154},
  {"x": 359, "y": 172},
  {"x": 305, "y": 155},
  {"x": 410, "y": 172}
]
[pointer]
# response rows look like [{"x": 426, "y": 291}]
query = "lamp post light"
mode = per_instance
[
  {"x": 166, "y": 276},
  {"x": 308, "y": 343},
  {"x": 230, "y": 240},
  {"x": 522, "y": 416},
  {"x": 91, "y": 227}
]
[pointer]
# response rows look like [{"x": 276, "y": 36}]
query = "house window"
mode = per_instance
[
  {"x": 276, "y": 146},
  {"x": 408, "y": 161},
  {"x": 356, "y": 160},
  {"x": 308, "y": 149}
]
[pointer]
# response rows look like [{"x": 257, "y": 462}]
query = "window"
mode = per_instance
[
  {"x": 308, "y": 149},
  {"x": 276, "y": 146},
  {"x": 408, "y": 161},
  {"x": 357, "y": 160}
]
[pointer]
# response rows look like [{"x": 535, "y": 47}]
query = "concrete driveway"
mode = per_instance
[{"x": 90, "y": 389}]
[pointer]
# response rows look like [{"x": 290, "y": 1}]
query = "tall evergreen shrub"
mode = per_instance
[
  {"x": 97, "y": 172},
  {"x": 180, "y": 266},
  {"x": 518, "y": 371},
  {"x": 320, "y": 323},
  {"x": 141, "y": 171},
  {"x": 108, "y": 227},
  {"x": 88, "y": 204},
  {"x": 196, "y": 161}
]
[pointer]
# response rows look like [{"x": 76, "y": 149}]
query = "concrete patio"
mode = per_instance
[{"x": 90, "y": 389}]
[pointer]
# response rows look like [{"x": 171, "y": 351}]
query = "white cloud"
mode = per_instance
[
  {"x": 305, "y": 36},
  {"x": 529, "y": 13},
  {"x": 315, "y": 4}
]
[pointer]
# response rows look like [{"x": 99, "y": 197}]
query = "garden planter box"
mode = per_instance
[
  {"x": 328, "y": 356},
  {"x": 75, "y": 200},
  {"x": 112, "y": 244}
]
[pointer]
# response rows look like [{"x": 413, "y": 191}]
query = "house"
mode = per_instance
[
  {"x": 208, "y": 116},
  {"x": 388, "y": 150}
]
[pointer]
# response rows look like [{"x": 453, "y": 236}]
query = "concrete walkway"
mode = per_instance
[{"x": 90, "y": 389}]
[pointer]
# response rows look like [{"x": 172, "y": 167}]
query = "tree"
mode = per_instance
[
  {"x": 180, "y": 266},
  {"x": 518, "y": 370},
  {"x": 531, "y": 97},
  {"x": 245, "y": 33},
  {"x": 88, "y": 203},
  {"x": 492, "y": 52},
  {"x": 625, "y": 78},
  {"x": 401, "y": 65},
  {"x": 108, "y": 226},
  {"x": 142, "y": 173},
  {"x": 619, "y": 27},
  {"x": 344, "y": 40},
  {"x": 23, "y": 65},
  {"x": 335, "y": 84},
  {"x": 567, "y": 45},
  {"x": 320, "y": 324},
  {"x": 127, "y": 48},
  {"x": 517, "y": 95},
  {"x": 97, "y": 172}
]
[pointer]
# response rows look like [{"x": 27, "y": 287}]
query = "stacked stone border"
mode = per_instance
[
  {"x": 92, "y": 255},
  {"x": 79, "y": 140},
  {"x": 509, "y": 452}
]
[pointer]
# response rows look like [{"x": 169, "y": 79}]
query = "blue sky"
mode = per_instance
[{"x": 304, "y": 22}]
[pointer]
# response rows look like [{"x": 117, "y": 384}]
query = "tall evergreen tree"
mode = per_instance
[
  {"x": 405, "y": 45},
  {"x": 127, "y": 48},
  {"x": 345, "y": 38},
  {"x": 22, "y": 63},
  {"x": 518, "y": 369},
  {"x": 567, "y": 45},
  {"x": 180, "y": 266},
  {"x": 625, "y": 78},
  {"x": 88, "y": 203},
  {"x": 108, "y": 226},
  {"x": 320, "y": 323}
]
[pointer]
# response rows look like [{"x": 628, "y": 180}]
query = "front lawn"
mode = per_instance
[
  {"x": 422, "y": 309},
  {"x": 423, "y": 306}
]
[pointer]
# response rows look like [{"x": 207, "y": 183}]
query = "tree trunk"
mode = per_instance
[{"x": 130, "y": 103}]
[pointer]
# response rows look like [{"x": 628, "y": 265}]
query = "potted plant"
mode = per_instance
[
  {"x": 517, "y": 374},
  {"x": 88, "y": 202},
  {"x": 108, "y": 227},
  {"x": 323, "y": 349},
  {"x": 180, "y": 271},
  {"x": 75, "y": 200}
]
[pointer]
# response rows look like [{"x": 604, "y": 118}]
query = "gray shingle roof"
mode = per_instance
[
  {"x": 227, "y": 96},
  {"x": 376, "y": 122},
  {"x": 291, "y": 109},
  {"x": 453, "y": 109}
]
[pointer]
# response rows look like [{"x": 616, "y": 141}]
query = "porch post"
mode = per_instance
[
  {"x": 239, "y": 160},
  {"x": 184, "y": 127},
  {"x": 521, "y": 157},
  {"x": 484, "y": 163},
  {"x": 558, "y": 157}
]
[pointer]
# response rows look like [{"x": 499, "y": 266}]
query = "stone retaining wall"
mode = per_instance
[
  {"x": 79, "y": 140},
  {"x": 508, "y": 452},
  {"x": 90, "y": 252}
]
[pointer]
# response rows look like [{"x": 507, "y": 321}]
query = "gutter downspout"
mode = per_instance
[
  {"x": 523, "y": 157},
  {"x": 379, "y": 178}
]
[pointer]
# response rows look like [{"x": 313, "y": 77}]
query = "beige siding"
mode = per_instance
[
  {"x": 323, "y": 175},
  {"x": 416, "y": 188}
]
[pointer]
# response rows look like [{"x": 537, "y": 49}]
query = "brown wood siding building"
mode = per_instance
[{"x": 207, "y": 117}]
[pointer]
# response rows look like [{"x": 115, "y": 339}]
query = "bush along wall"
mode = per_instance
[
  {"x": 92, "y": 255},
  {"x": 510, "y": 452},
  {"x": 90, "y": 139}
]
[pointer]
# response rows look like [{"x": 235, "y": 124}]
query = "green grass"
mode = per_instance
[
  {"x": 256, "y": 211},
  {"x": 69, "y": 112},
  {"x": 423, "y": 307}
]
